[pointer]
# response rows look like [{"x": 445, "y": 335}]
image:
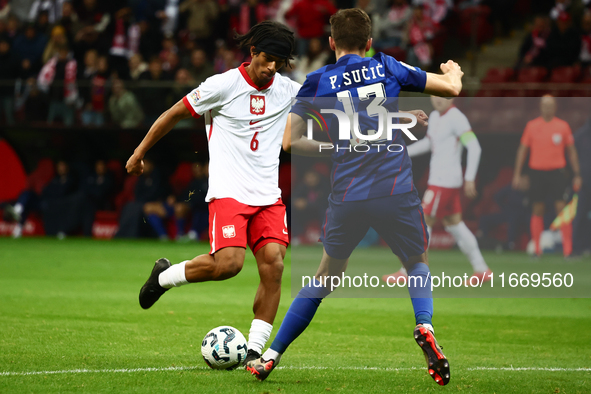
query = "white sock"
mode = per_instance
[
  {"x": 259, "y": 334},
  {"x": 468, "y": 245},
  {"x": 18, "y": 208},
  {"x": 174, "y": 276},
  {"x": 430, "y": 328},
  {"x": 271, "y": 354},
  {"x": 430, "y": 231}
]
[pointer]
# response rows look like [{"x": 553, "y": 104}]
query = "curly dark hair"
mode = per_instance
[{"x": 264, "y": 30}]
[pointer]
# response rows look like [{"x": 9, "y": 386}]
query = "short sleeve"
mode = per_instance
[
  {"x": 411, "y": 79},
  {"x": 461, "y": 124},
  {"x": 526, "y": 137},
  {"x": 206, "y": 97}
]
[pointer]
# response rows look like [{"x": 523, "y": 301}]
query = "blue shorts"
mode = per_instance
[{"x": 398, "y": 219}]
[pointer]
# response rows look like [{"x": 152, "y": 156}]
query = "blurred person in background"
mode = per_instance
[
  {"x": 585, "y": 56},
  {"x": 94, "y": 107},
  {"x": 137, "y": 66},
  {"x": 200, "y": 67},
  {"x": 564, "y": 42},
  {"x": 316, "y": 57},
  {"x": 201, "y": 19},
  {"x": 30, "y": 45},
  {"x": 58, "y": 80},
  {"x": 8, "y": 72},
  {"x": 582, "y": 222},
  {"x": 56, "y": 200},
  {"x": 124, "y": 42},
  {"x": 179, "y": 207},
  {"x": 69, "y": 21},
  {"x": 546, "y": 138},
  {"x": 52, "y": 8},
  {"x": 311, "y": 20},
  {"x": 391, "y": 29},
  {"x": 151, "y": 186},
  {"x": 124, "y": 107},
  {"x": 421, "y": 30},
  {"x": 95, "y": 194},
  {"x": 309, "y": 202},
  {"x": 58, "y": 39},
  {"x": 534, "y": 50},
  {"x": 152, "y": 90}
]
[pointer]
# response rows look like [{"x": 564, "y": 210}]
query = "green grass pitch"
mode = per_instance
[{"x": 70, "y": 322}]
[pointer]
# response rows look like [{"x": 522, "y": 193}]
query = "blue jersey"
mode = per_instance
[{"x": 379, "y": 168}]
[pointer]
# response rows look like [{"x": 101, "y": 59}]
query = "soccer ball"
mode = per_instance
[{"x": 224, "y": 347}]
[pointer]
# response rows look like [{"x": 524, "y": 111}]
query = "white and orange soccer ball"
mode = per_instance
[{"x": 224, "y": 347}]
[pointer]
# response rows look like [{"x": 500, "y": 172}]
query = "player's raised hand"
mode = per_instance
[
  {"x": 135, "y": 166},
  {"x": 470, "y": 189},
  {"x": 451, "y": 67}
]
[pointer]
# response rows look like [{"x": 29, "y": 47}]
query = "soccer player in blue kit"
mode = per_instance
[{"x": 373, "y": 188}]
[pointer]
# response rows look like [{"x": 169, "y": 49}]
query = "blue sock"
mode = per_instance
[
  {"x": 180, "y": 226},
  {"x": 156, "y": 223},
  {"x": 421, "y": 296},
  {"x": 300, "y": 314}
]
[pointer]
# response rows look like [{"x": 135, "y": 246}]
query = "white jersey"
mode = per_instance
[
  {"x": 244, "y": 126},
  {"x": 444, "y": 132}
]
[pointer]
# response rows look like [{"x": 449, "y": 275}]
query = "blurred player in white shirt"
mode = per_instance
[
  {"x": 245, "y": 111},
  {"x": 447, "y": 134}
]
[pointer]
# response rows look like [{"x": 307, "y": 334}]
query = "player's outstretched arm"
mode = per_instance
[
  {"x": 162, "y": 125},
  {"x": 296, "y": 142},
  {"x": 447, "y": 85}
]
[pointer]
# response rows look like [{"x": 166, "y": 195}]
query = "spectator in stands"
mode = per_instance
[
  {"x": 582, "y": 222},
  {"x": 152, "y": 93},
  {"x": 42, "y": 23},
  {"x": 93, "y": 21},
  {"x": 534, "y": 50},
  {"x": 150, "y": 39},
  {"x": 8, "y": 71},
  {"x": 200, "y": 67},
  {"x": 316, "y": 57},
  {"x": 391, "y": 29},
  {"x": 150, "y": 186},
  {"x": 52, "y": 8},
  {"x": 79, "y": 208},
  {"x": 225, "y": 60},
  {"x": 124, "y": 42},
  {"x": 514, "y": 211},
  {"x": 58, "y": 80},
  {"x": 251, "y": 12},
  {"x": 30, "y": 45},
  {"x": 201, "y": 19},
  {"x": 94, "y": 108},
  {"x": 421, "y": 30},
  {"x": 69, "y": 21},
  {"x": 436, "y": 10},
  {"x": 179, "y": 207},
  {"x": 56, "y": 201},
  {"x": 171, "y": 63},
  {"x": 12, "y": 27},
  {"x": 169, "y": 16},
  {"x": 564, "y": 43},
  {"x": 311, "y": 17},
  {"x": 57, "y": 39},
  {"x": 124, "y": 107},
  {"x": 137, "y": 66},
  {"x": 309, "y": 202},
  {"x": 585, "y": 56}
]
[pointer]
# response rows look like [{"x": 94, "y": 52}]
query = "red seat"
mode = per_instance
[
  {"x": 562, "y": 75},
  {"x": 181, "y": 177},
  {"x": 497, "y": 75},
  {"x": 116, "y": 169},
  {"x": 41, "y": 175},
  {"x": 127, "y": 194}
]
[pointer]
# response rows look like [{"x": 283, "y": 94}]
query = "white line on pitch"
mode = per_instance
[{"x": 168, "y": 369}]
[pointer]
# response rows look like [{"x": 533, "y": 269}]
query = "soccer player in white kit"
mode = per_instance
[
  {"x": 448, "y": 132},
  {"x": 245, "y": 111}
]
